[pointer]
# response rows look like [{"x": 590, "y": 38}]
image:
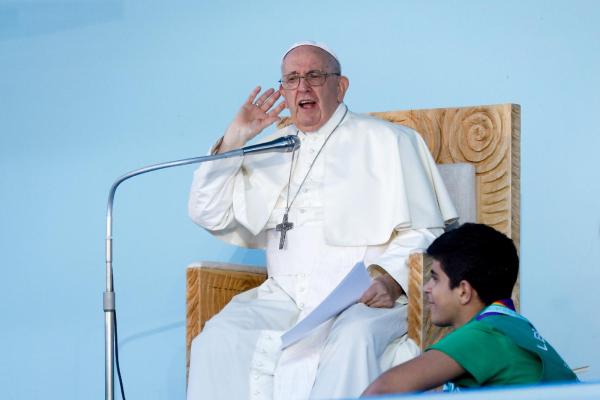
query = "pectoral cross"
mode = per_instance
[{"x": 283, "y": 227}]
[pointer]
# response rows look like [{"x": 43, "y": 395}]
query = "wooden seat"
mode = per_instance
[{"x": 487, "y": 137}]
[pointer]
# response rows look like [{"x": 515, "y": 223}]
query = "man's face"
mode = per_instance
[
  {"x": 311, "y": 107},
  {"x": 443, "y": 302}
]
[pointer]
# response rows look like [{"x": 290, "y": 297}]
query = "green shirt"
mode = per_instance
[{"x": 489, "y": 357}]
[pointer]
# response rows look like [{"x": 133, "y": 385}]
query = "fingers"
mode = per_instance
[
  {"x": 252, "y": 95},
  {"x": 266, "y": 100},
  {"x": 263, "y": 99},
  {"x": 368, "y": 295},
  {"x": 382, "y": 303},
  {"x": 272, "y": 116},
  {"x": 256, "y": 114},
  {"x": 277, "y": 110},
  {"x": 377, "y": 296}
]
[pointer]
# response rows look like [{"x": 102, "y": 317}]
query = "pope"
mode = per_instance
[{"x": 358, "y": 190}]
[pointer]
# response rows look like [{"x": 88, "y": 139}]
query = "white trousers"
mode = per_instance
[{"x": 238, "y": 355}]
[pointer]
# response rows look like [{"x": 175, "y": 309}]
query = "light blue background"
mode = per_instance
[{"x": 92, "y": 89}]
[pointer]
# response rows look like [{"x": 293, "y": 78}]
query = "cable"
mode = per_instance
[
  {"x": 117, "y": 349},
  {"x": 117, "y": 357}
]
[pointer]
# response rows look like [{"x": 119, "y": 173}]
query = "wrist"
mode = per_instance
[{"x": 231, "y": 141}]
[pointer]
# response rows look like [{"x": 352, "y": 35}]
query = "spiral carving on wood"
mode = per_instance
[{"x": 487, "y": 137}]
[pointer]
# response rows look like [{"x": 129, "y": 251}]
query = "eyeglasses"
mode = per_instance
[{"x": 313, "y": 78}]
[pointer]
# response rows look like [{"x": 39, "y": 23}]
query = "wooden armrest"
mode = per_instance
[
  {"x": 420, "y": 328},
  {"x": 209, "y": 287}
]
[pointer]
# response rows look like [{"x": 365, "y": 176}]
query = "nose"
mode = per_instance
[
  {"x": 427, "y": 287},
  {"x": 303, "y": 84}
]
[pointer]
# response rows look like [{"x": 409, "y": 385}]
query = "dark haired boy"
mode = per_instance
[{"x": 474, "y": 270}]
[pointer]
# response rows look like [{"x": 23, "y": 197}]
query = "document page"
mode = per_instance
[{"x": 345, "y": 294}]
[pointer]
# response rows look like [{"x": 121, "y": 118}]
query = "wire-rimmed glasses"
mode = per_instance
[{"x": 313, "y": 78}]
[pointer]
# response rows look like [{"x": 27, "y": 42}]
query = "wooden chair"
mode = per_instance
[{"x": 485, "y": 136}]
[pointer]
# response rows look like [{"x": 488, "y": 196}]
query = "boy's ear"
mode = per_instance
[{"x": 466, "y": 293}]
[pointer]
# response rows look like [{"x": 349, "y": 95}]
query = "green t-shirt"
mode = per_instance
[{"x": 489, "y": 357}]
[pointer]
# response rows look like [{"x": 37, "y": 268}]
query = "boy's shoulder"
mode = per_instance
[
  {"x": 472, "y": 333},
  {"x": 489, "y": 356}
]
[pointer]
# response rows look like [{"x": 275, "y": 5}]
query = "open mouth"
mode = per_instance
[{"x": 307, "y": 104}]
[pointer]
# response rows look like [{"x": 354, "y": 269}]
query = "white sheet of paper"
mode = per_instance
[{"x": 346, "y": 293}]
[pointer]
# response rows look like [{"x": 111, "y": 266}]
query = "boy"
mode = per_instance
[{"x": 474, "y": 270}]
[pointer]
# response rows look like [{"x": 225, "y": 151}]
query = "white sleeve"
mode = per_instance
[
  {"x": 395, "y": 257},
  {"x": 210, "y": 204}
]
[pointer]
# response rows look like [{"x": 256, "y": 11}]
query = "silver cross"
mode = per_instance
[{"x": 283, "y": 227}]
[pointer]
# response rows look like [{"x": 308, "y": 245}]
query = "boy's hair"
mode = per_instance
[{"x": 480, "y": 255}]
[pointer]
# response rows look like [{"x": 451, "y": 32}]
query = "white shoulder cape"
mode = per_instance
[{"x": 378, "y": 177}]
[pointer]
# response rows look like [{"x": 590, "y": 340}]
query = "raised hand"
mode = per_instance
[{"x": 254, "y": 116}]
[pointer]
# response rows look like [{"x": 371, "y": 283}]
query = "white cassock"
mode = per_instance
[{"x": 373, "y": 195}]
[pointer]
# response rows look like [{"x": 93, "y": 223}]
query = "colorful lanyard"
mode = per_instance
[{"x": 500, "y": 307}]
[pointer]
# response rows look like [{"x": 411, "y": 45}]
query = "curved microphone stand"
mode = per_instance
[{"x": 283, "y": 144}]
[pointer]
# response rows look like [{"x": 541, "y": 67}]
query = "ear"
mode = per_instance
[
  {"x": 283, "y": 94},
  {"x": 466, "y": 293},
  {"x": 343, "y": 84}
]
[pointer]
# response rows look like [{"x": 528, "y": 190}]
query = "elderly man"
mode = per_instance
[{"x": 358, "y": 190}]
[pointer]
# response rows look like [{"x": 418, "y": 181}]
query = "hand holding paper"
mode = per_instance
[{"x": 347, "y": 293}]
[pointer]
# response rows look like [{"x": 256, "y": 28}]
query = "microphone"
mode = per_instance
[{"x": 283, "y": 144}]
